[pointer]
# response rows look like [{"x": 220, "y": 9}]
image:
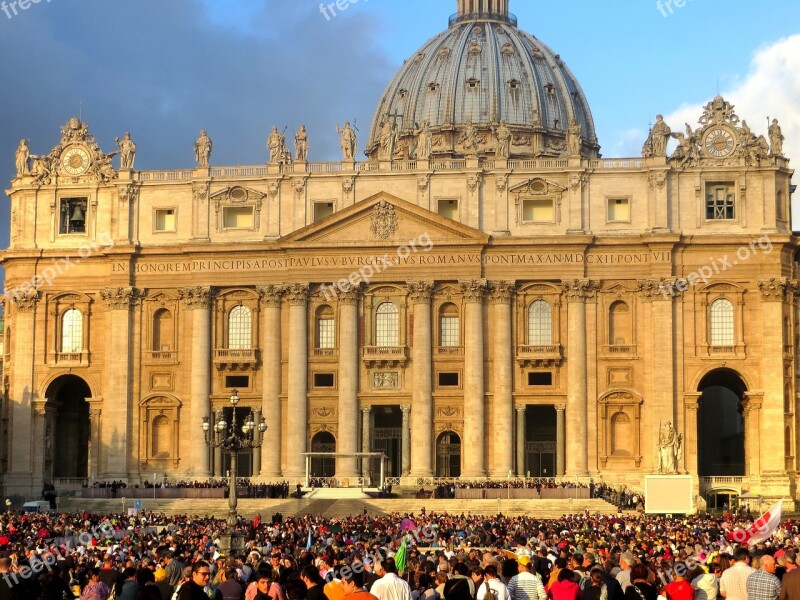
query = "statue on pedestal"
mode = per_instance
[
  {"x": 670, "y": 449},
  {"x": 301, "y": 144},
  {"x": 661, "y": 134},
  {"x": 276, "y": 144},
  {"x": 776, "y": 138},
  {"x": 202, "y": 149},
  {"x": 348, "y": 141},
  {"x": 127, "y": 152},
  {"x": 574, "y": 140},
  {"x": 23, "y": 156},
  {"x": 503, "y": 135}
]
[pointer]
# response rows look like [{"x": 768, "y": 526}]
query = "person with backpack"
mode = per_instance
[{"x": 492, "y": 588}]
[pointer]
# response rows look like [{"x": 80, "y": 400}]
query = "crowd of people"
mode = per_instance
[{"x": 447, "y": 557}]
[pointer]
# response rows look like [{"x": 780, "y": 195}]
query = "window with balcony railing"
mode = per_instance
[
  {"x": 387, "y": 326},
  {"x": 722, "y": 323},
  {"x": 240, "y": 328},
  {"x": 72, "y": 332},
  {"x": 540, "y": 324}
]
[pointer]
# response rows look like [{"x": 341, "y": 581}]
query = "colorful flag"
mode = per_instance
[
  {"x": 308, "y": 543},
  {"x": 761, "y": 529},
  {"x": 400, "y": 557}
]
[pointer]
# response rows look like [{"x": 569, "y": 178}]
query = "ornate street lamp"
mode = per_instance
[{"x": 232, "y": 438}]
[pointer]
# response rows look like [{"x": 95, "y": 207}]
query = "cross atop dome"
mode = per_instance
[{"x": 482, "y": 9}]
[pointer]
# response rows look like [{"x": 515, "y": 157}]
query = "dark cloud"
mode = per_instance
[{"x": 163, "y": 70}]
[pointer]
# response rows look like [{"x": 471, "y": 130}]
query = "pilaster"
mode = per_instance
[
  {"x": 271, "y": 296},
  {"x": 347, "y": 467},
  {"x": 474, "y": 442},
  {"x": 296, "y": 295},
  {"x": 501, "y": 295},
  {"x": 421, "y": 436}
]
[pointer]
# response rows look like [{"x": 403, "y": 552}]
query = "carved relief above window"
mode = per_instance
[{"x": 619, "y": 422}]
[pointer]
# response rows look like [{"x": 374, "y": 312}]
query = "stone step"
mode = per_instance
[{"x": 248, "y": 508}]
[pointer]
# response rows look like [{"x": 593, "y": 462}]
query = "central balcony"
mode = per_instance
[
  {"x": 540, "y": 356},
  {"x": 385, "y": 356},
  {"x": 228, "y": 358}
]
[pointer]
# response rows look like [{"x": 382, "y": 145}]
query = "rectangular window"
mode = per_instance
[
  {"x": 448, "y": 209},
  {"x": 323, "y": 380},
  {"x": 322, "y": 210},
  {"x": 325, "y": 333},
  {"x": 164, "y": 219},
  {"x": 72, "y": 215},
  {"x": 538, "y": 211},
  {"x": 237, "y": 381},
  {"x": 450, "y": 331},
  {"x": 237, "y": 217},
  {"x": 540, "y": 378},
  {"x": 720, "y": 201},
  {"x": 448, "y": 379},
  {"x": 619, "y": 210}
]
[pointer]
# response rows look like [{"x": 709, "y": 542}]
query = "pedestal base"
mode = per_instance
[{"x": 231, "y": 544}]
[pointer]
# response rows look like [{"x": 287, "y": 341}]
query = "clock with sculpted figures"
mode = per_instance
[
  {"x": 719, "y": 142},
  {"x": 75, "y": 160}
]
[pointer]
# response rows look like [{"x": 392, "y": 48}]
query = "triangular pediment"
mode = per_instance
[{"x": 383, "y": 219}]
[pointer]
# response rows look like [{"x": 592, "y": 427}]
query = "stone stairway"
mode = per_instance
[{"x": 544, "y": 509}]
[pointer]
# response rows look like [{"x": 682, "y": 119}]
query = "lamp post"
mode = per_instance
[{"x": 232, "y": 438}]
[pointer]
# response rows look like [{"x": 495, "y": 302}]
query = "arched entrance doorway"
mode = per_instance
[
  {"x": 448, "y": 455},
  {"x": 323, "y": 466},
  {"x": 720, "y": 425},
  {"x": 67, "y": 428}
]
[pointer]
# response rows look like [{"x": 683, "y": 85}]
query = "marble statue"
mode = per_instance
[
  {"x": 776, "y": 138},
  {"x": 301, "y": 144},
  {"x": 23, "y": 156},
  {"x": 202, "y": 149},
  {"x": 348, "y": 141},
  {"x": 574, "y": 141},
  {"x": 670, "y": 449},
  {"x": 469, "y": 139},
  {"x": 661, "y": 134},
  {"x": 276, "y": 144},
  {"x": 424, "y": 142},
  {"x": 127, "y": 152},
  {"x": 503, "y": 136}
]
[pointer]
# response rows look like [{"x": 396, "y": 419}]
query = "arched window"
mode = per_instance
[
  {"x": 540, "y": 323},
  {"x": 161, "y": 437},
  {"x": 326, "y": 332},
  {"x": 387, "y": 330},
  {"x": 621, "y": 434},
  {"x": 722, "y": 331},
  {"x": 449, "y": 332},
  {"x": 620, "y": 331},
  {"x": 72, "y": 331},
  {"x": 240, "y": 328},
  {"x": 163, "y": 331}
]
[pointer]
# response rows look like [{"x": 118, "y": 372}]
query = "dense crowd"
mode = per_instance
[{"x": 452, "y": 557}]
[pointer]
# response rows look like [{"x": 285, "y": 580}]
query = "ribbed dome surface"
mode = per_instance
[{"x": 484, "y": 69}]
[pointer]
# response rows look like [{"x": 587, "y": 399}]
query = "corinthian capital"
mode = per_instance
[
  {"x": 473, "y": 291},
  {"x": 24, "y": 301},
  {"x": 121, "y": 298},
  {"x": 420, "y": 292},
  {"x": 271, "y": 295},
  {"x": 351, "y": 295},
  {"x": 196, "y": 297},
  {"x": 502, "y": 291},
  {"x": 296, "y": 293},
  {"x": 774, "y": 289},
  {"x": 578, "y": 290}
]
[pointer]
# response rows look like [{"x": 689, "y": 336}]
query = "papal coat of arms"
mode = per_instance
[{"x": 384, "y": 220}]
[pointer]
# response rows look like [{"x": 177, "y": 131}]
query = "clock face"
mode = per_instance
[
  {"x": 720, "y": 143},
  {"x": 75, "y": 161}
]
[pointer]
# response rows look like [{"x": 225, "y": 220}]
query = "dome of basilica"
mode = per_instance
[{"x": 482, "y": 88}]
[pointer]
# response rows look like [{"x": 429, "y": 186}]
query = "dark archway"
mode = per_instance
[
  {"x": 720, "y": 425},
  {"x": 448, "y": 455},
  {"x": 540, "y": 441},
  {"x": 67, "y": 428},
  {"x": 323, "y": 466}
]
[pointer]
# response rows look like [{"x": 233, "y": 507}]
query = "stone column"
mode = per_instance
[
  {"x": 297, "y": 415},
  {"x": 271, "y": 383},
  {"x": 691, "y": 402},
  {"x": 94, "y": 467},
  {"x": 752, "y": 435},
  {"x": 577, "y": 292},
  {"x": 405, "y": 441},
  {"x": 772, "y": 415},
  {"x": 365, "y": 430},
  {"x": 119, "y": 408},
  {"x": 422, "y": 395},
  {"x": 521, "y": 408},
  {"x": 347, "y": 467},
  {"x": 474, "y": 442},
  {"x": 561, "y": 440},
  {"x": 23, "y": 394},
  {"x": 502, "y": 293},
  {"x": 198, "y": 300}
]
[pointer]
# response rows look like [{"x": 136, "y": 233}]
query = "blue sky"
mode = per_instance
[{"x": 166, "y": 69}]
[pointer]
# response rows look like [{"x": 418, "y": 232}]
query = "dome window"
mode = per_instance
[
  {"x": 550, "y": 88},
  {"x": 507, "y": 49},
  {"x": 514, "y": 85},
  {"x": 473, "y": 84},
  {"x": 403, "y": 93},
  {"x": 433, "y": 88}
]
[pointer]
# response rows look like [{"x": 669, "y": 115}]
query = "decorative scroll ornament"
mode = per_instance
[
  {"x": 196, "y": 297},
  {"x": 128, "y": 193},
  {"x": 271, "y": 295},
  {"x": 580, "y": 289},
  {"x": 773, "y": 289},
  {"x": 25, "y": 301},
  {"x": 420, "y": 291},
  {"x": 473, "y": 291},
  {"x": 296, "y": 293},
  {"x": 657, "y": 180},
  {"x": 119, "y": 298},
  {"x": 384, "y": 220},
  {"x": 502, "y": 291}
]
